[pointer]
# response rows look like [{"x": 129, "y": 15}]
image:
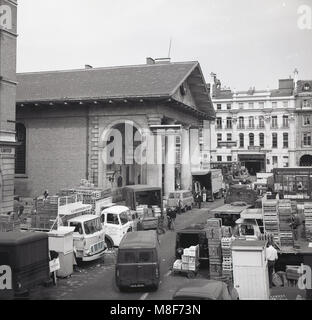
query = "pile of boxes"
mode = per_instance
[
  {"x": 226, "y": 241},
  {"x": 46, "y": 212},
  {"x": 214, "y": 236},
  {"x": 308, "y": 220},
  {"x": 284, "y": 213},
  {"x": 156, "y": 211},
  {"x": 189, "y": 261},
  {"x": 270, "y": 218}
]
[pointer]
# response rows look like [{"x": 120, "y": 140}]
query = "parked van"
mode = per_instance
[
  {"x": 180, "y": 199},
  {"x": 138, "y": 260},
  {"x": 89, "y": 237},
  {"x": 116, "y": 221}
]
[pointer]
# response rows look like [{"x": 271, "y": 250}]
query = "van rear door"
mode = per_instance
[
  {"x": 147, "y": 265},
  {"x": 127, "y": 267}
]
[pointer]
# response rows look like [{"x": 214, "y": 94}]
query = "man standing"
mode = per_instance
[{"x": 271, "y": 254}]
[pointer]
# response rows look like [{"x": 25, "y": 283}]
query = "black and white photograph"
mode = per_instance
[{"x": 155, "y": 151}]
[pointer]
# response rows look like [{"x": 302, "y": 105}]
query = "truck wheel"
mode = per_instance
[
  {"x": 109, "y": 243},
  {"x": 191, "y": 275}
]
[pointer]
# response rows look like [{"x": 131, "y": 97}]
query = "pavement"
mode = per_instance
[{"x": 96, "y": 280}]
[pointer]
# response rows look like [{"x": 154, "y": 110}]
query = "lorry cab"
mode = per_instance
[
  {"x": 138, "y": 260},
  {"x": 250, "y": 224},
  {"x": 182, "y": 199},
  {"x": 89, "y": 237},
  {"x": 116, "y": 222}
]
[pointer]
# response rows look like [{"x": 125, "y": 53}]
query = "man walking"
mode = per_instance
[{"x": 271, "y": 254}]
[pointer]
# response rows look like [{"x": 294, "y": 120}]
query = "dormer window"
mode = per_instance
[
  {"x": 306, "y": 87},
  {"x": 183, "y": 89}
]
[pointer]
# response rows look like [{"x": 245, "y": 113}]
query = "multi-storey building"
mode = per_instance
[
  {"x": 254, "y": 127},
  {"x": 303, "y": 95},
  {"x": 8, "y": 36}
]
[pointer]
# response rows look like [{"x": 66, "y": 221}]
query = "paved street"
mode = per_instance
[{"x": 96, "y": 280}]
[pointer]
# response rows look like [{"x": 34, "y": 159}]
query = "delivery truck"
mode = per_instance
[{"x": 211, "y": 180}]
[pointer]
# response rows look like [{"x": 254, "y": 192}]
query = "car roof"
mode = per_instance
[
  {"x": 83, "y": 218},
  {"x": 207, "y": 289},
  {"x": 115, "y": 209},
  {"x": 17, "y": 238},
  {"x": 139, "y": 239}
]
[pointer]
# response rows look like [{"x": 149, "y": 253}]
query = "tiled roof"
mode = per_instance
[{"x": 157, "y": 80}]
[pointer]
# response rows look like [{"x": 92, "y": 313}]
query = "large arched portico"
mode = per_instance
[
  {"x": 120, "y": 155},
  {"x": 306, "y": 160}
]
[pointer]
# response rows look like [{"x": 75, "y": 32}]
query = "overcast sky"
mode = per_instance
[{"x": 246, "y": 42}]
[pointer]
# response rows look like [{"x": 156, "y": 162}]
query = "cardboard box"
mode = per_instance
[
  {"x": 185, "y": 266},
  {"x": 185, "y": 259}
]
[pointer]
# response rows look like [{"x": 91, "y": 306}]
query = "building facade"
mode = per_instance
[
  {"x": 113, "y": 126},
  {"x": 254, "y": 127},
  {"x": 303, "y": 95},
  {"x": 8, "y": 36}
]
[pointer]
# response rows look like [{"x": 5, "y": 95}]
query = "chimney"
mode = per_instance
[
  {"x": 150, "y": 60},
  {"x": 88, "y": 66},
  {"x": 296, "y": 72}
]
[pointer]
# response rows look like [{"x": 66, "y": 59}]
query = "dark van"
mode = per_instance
[{"x": 138, "y": 260}]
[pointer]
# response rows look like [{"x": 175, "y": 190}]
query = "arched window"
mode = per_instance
[
  {"x": 20, "y": 151},
  {"x": 261, "y": 140},
  {"x": 251, "y": 139}
]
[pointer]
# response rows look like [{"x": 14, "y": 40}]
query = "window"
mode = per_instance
[
  {"x": 145, "y": 256},
  {"x": 285, "y": 140},
  {"x": 250, "y": 105},
  {"x": 78, "y": 227},
  {"x": 124, "y": 217},
  {"x": 241, "y": 140},
  {"x": 219, "y": 123},
  {"x": 229, "y": 123},
  {"x": 229, "y": 137},
  {"x": 240, "y": 105},
  {"x": 261, "y": 122},
  {"x": 228, "y": 106},
  {"x": 251, "y": 122},
  {"x": 305, "y": 104},
  {"x": 285, "y": 122},
  {"x": 229, "y": 158},
  {"x": 261, "y": 105},
  {"x": 285, "y": 104},
  {"x": 261, "y": 140},
  {"x": 219, "y": 158},
  {"x": 251, "y": 139},
  {"x": 307, "y": 139},
  {"x": 274, "y": 104},
  {"x": 20, "y": 152},
  {"x": 112, "y": 218},
  {"x": 274, "y": 122},
  {"x": 241, "y": 123},
  {"x": 219, "y": 106},
  {"x": 306, "y": 120},
  {"x": 126, "y": 256},
  {"x": 92, "y": 226},
  {"x": 219, "y": 138},
  {"x": 274, "y": 140},
  {"x": 274, "y": 160}
]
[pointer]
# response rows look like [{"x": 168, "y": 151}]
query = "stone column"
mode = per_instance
[
  {"x": 186, "y": 175},
  {"x": 194, "y": 150},
  {"x": 170, "y": 163}
]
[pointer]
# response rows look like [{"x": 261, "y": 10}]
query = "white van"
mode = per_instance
[
  {"x": 116, "y": 222},
  {"x": 89, "y": 237}
]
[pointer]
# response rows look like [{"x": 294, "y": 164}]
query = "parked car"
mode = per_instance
[
  {"x": 199, "y": 289},
  {"x": 116, "y": 222},
  {"x": 180, "y": 200},
  {"x": 138, "y": 260}
]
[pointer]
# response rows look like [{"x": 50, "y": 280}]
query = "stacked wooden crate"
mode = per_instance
[
  {"x": 308, "y": 220},
  {"x": 214, "y": 234},
  {"x": 285, "y": 219},
  {"x": 46, "y": 212},
  {"x": 190, "y": 258},
  {"x": 226, "y": 241},
  {"x": 89, "y": 195},
  {"x": 270, "y": 218}
]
